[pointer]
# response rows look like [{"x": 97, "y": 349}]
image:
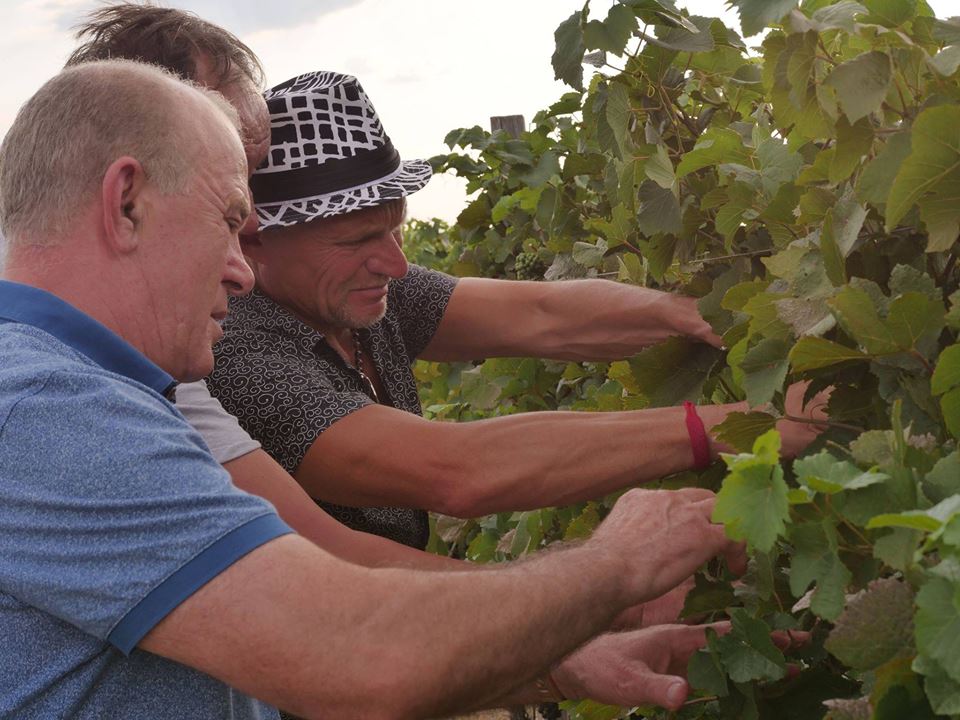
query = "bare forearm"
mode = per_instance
[
  {"x": 343, "y": 641},
  {"x": 257, "y": 473},
  {"x": 528, "y": 461},
  {"x": 518, "y": 462},
  {"x": 571, "y": 320}
]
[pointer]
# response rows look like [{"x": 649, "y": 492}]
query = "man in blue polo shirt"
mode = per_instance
[
  {"x": 135, "y": 580},
  {"x": 110, "y": 513}
]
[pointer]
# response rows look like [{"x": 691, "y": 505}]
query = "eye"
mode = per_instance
[{"x": 234, "y": 224}]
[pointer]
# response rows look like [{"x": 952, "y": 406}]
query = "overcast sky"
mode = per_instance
[{"x": 428, "y": 65}]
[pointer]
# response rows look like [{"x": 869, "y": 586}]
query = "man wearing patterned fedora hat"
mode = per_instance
[{"x": 316, "y": 363}]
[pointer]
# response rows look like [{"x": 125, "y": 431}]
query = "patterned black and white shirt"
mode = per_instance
[{"x": 286, "y": 385}]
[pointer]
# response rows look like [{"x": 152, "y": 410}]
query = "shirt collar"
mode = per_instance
[{"x": 32, "y": 306}]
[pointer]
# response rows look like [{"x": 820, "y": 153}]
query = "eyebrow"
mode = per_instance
[{"x": 240, "y": 205}]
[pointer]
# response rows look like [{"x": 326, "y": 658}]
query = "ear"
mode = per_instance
[{"x": 122, "y": 200}]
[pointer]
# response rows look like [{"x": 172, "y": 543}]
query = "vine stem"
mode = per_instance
[
  {"x": 752, "y": 253},
  {"x": 826, "y": 423},
  {"x": 699, "y": 701}
]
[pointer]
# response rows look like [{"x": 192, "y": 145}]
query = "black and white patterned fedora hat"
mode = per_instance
[{"x": 329, "y": 154}]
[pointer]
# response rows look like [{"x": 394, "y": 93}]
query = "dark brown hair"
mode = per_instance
[{"x": 171, "y": 38}]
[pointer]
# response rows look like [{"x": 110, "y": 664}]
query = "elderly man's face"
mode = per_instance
[
  {"x": 334, "y": 272},
  {"x": 192, "y": 259}
]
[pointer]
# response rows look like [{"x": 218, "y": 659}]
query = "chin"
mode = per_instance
[{"x": 198, "y": 369}]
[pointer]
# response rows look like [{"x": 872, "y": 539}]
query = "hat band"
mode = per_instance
[{"x": 330, "y": 176}]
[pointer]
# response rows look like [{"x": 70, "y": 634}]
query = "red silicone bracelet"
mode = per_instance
[{"x": 698, "y": 437}]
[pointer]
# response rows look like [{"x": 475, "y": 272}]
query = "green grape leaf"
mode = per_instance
[
  {"x": 878, "y": 176},
  {"x": 874, "y": 447},
  {"x": 619, "y": 114},
  {"x": 950, "y": 407},
  {"x": 807, "y": 316},
  {"x": 946, "y": 61},
  {"x": 853, "y": 142},
  {"x": 673, "y": 371},
  {"x": 584, "y": 524},
  {"x": 741, "y": 430},
  {"x": 568, "y": 57},
  {"x": 826, "y": 474},
  {"x": 612, "y": 34},
  {"x": 659, "y": 168},
  {"x": 898, "y": 548},
  {"x": 938, "y": 624},
  {"x": 928, "y": 520},
  {"x": 755, "y": 15},
  {"x": 890, "y": 13},
  {"x": 704, "y": 672},
  {"x": 547, "y": 166},
  {"x": 764, "y": 369},
  {"x": 747, "y": 652},
  {"x": 905, "y": 278},
  {"x": 857, "y": 314},
  {"x": 914, "y": 318},
  {"x": 717, "y": 145},
  {"x": 684, "y": 39},
  {"x": 813, "y": 353},
  {"x": 942, "y": 691},
  {"x": 816, "y": 560},
  {"x": 841, "y": 16},
  {"x": 658, "y": 210},
  {"x": 875, "y": 626},
  {"x": 933, "y": 167},
  {"x": 587, "y": 254},
  {"x": 944, "y": 479},
  {"x": 862, "y": 83},
  {"x": 752, "y": 503},
  {"x": 946, "y": 375}
]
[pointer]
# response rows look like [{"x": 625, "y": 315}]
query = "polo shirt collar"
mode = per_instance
[{"x": 32, "y": 306}]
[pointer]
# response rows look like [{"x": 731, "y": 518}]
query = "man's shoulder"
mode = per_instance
[
  {"x": 29, "y": 357},
  {"x": 51, "y": 383}
]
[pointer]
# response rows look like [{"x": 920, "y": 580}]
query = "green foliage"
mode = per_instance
[{"x": 808, "y": 194}]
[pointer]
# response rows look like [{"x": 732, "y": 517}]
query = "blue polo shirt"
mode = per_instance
[{"x": 112, "y": 513}]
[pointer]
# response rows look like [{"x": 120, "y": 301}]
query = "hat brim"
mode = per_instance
[{"x": 411, "y": 176}]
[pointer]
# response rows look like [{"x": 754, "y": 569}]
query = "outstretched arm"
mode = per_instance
[
  {"x": 381, "y": 456},
  {"x": 297, "y": 627},
  {"x": 568, "y": 320}
]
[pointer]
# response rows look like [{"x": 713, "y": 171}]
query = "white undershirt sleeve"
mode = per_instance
[{"x": 219, "y": 429}]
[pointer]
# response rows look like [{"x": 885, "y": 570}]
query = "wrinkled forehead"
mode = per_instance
[{"x": 354, "y": 225}]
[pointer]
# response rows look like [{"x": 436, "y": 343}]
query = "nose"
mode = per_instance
[
  {"x": 388, "y": 260},
  {"x": 237, "y": 277}
]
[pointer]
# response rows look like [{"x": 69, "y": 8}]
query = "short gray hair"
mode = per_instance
[{"x": 65, "y": 137}]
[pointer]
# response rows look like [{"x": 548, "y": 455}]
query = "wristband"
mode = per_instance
[{"x": 699, "y": 442}]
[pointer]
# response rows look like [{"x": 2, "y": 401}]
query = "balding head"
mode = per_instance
[{"x": 65, "y": 137}]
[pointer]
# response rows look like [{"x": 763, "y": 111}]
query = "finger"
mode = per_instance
[
  {"x": 696, "y": 495},
  {"x": 669, "y": 691},
  {"x": 736, "y": 556},
  {"x": 790, "y": 639}
]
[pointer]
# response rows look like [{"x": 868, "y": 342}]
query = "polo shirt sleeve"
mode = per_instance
[
  {"x": 281, "y": 402},
  {"x": 420, "y": 299},
  {"x": 112, "y": 510},
  {"x": 218, "y": 428}
]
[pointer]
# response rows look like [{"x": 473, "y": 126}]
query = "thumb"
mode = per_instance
[{"x": 669, "y": 691}]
